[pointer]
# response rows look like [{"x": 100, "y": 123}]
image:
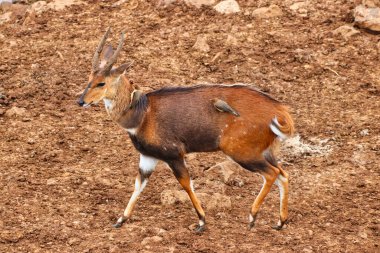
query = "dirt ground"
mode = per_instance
[{"x": 66, "y": 173}]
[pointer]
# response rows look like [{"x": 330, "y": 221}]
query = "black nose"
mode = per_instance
[{"x": 80, "y": 102}]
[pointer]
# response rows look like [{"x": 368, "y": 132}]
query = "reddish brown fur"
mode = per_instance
[{"x": 168, "y": 123}]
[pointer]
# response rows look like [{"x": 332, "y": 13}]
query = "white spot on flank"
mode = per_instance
[
  {"x": 147, "y": 163},
  {"x": 132, "y": 131}
]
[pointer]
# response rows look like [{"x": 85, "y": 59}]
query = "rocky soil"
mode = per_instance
[{"x": 66, "y": 173}]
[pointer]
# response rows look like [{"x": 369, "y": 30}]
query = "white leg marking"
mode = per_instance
[
  {"x": 132, "y": 131},
  {"x": 138, "y": 189},
  {"x": 279, "y": 182},
  {"x": 201, "y": 223},
  {"x": 147, "y": 163},
  {"x": 250, "y": 218},
  {"x": 191, "y": 185}
]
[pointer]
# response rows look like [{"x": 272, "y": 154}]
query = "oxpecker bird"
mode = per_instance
[{"x": 222, "y": 106}]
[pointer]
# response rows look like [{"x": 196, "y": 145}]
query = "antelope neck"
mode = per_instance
[{"x": 118, "y": 107}]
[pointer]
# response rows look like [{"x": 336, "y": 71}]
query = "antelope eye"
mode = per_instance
[{"x": 100, "y": 84}]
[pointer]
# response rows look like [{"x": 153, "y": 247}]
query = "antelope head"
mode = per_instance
[{"x": 104, "y": 79}]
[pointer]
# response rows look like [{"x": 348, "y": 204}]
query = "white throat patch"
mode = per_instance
[{"x": 108, "y": 104}]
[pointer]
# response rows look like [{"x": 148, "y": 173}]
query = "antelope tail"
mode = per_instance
[{"x": 284, "y": 129}]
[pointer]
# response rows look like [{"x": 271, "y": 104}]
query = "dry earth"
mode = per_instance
[{"x": 66, "y": 173}]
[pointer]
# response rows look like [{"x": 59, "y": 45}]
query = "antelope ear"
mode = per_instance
[
  {"x": 106, "y": 55},
  {"x": 121, "y": 69}
]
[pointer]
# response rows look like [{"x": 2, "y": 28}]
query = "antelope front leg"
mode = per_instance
[
  {"x": 181, "y": 173},
  {"x": 146, "y": 167}
]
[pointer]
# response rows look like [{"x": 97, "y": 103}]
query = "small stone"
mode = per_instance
[
  {"x": 51, "y": 181},
  {"x": 120, "y": 2},
  {"x": 201, "y": 44},
  {"x": 227, "y": 7},
  {"x": 363, "y": 235},
  {"x": 59, "y": 5},
  {"x": 31, "y": 141},
  {"x": 345, "y": 31},
  {"x": 267, "y": 12},
  {"x": 6, "y": 17},
  {"x": 150, "y": 240},
  {"x": 73, "y": 241},
  {"x": 15, "y": 112},
  {"x": 296, "y": 6},
  {"x": 170, "y": 197},
  {"x": 215, "y": 201},
  {"x": 35, "y": 66},
  {"x": 308, "y": 250},
  {"x": 38, "y": 7},
  {"x": 371, "y": 3},
  {"x": 231, "y": 40},
  {"x": 199, "y": 3},
  {"x": 367, "y": 17},
  {"x": 364, "y": 132}
]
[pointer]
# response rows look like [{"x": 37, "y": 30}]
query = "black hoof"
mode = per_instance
[
  {"x": 251, "y": 225},
  {"x": 199, "y": 229},
  {"x": 279, "y": 227},
  {"x": 118, "y": 224}
]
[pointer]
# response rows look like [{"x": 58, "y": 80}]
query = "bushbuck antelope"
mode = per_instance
[{"x": 168, "y": 123}]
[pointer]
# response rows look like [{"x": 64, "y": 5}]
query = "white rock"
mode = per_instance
[
  {"x": 59, "y": 5},
  {"x": 15, "y": 111},
  {"x": 227, "y": 7},
  {"x": 51, "y": 181},
  {"x": 6, "y": 17},
  {"x": 268, "y": 12},
  {"x": 38, "y": 7},
  {"x": 199, "y": 3},
  {"x": 367, "y": 17},
  {"x": 201, "y": 44},
  {"x": 297, "y": 5},
  {"x": 345, "y": 31}
]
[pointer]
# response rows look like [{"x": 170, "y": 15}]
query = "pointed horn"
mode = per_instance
[
  {"x": 112, "y": 60},
  {"x": 95, "y": 60}
]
